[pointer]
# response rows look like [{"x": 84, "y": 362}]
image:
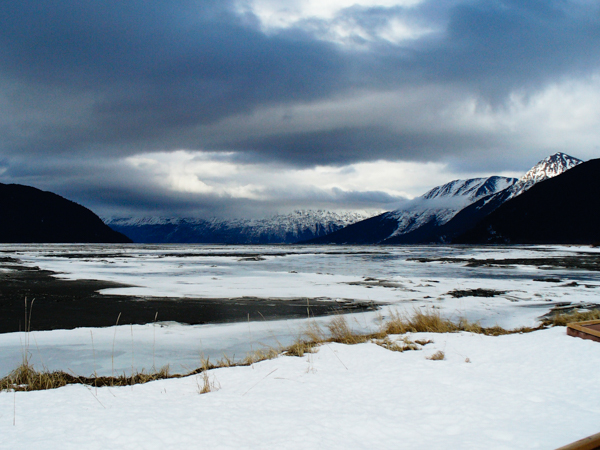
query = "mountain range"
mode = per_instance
[
  {"x": 442, "y": 215},
  {"x": 418, "y": 217},
  {"x": 556, "y": 201},
  {"x": 279, "y": 229},
  {"x": 446, "y": 212}
]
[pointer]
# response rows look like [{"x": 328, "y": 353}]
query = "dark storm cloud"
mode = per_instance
[
  {"x": 492, "y": 47},
  {"x": 144, "y": 199},
  {"x": 88, "y": 81},
  {"x": 111, "y": 188},
  {"x": 141, "y": 197},
  {"x": 145, "y": 70},
  {"x": 348, "y": 145},
  {"x": 144, "y": 75},
  {"x": 516, "y": 44},
  {"x": 486, "y": 49}
]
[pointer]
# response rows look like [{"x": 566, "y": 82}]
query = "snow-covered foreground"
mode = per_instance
[{"x": 537, "y": 390}]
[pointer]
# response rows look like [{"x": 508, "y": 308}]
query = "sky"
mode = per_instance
[{"x": 247, "y": 108}]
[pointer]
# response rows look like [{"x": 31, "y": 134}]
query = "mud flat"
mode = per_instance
[{"x": 68, "y": 304}]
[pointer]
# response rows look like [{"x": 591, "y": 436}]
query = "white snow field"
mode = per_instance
[{"x": 535, "y": 390}]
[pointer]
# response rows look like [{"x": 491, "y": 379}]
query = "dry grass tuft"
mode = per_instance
[
  {"x": 339, "y": 331},
  {"x": 430, "y": 321},
  {"x": 561, "y": 320},
  {"x": 398, "y": 346},
  {"x": 205, "y": 388},
  {"x": 438, "y": 356},
  {"x": 26, "y": 378},
  {"x": 342, "y": 333},
  {"x": 225, "y": 361},
  {"x": 313, "y": 332},
  {"x": 207, "y": 385},
  {"x": 300, "y": 348},
  {"x": 260, "y": 355}
]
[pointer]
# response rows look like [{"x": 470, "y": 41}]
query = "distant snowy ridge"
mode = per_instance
[
  {"x": 141, "y": 221},
  {"x": 288, "y": 228}
]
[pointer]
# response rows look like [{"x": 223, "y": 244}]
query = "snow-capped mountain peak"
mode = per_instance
[
  {"x": 441, "y": 204},
  {"x": 548, "y": 167}
]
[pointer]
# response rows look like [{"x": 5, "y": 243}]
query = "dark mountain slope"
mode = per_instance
[
  {"x": 464, "y": 220},
  {"x": 561, "y": 210},
  {"x": 417, "y": 220},
  {"x": 368, "y": 231},
  {"x": 424, "y": 234},
  {"x": 29, "y": 215}
]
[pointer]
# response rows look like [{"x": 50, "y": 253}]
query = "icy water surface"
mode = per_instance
[{"x": 382, "y": 274}]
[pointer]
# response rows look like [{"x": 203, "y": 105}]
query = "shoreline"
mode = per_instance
[{"x": 68, "y": 304}]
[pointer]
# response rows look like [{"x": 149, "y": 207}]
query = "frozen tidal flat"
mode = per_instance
[
  {"x": 401, "y": 278},
  {"x": 536, "y": 390}
]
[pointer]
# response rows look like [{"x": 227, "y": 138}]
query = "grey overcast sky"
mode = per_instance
[{"x": 252, "y": 107}]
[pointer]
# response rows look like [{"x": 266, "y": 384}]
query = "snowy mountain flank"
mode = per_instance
[
  {"x": 441, "y": 203},
  {"x": 448, "y": 210},
  {"x": 279, "y": 229}
]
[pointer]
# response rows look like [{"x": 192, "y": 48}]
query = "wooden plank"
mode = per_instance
[
  {"x": 588, "y": 443},
  {"x": 581, "y": 329}
]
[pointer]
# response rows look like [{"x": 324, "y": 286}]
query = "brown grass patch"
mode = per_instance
[
  {"x": 342, "y": 333},
  {"x": 437, "y": 356},
  {"x": 561, "y": 320},
  {"x": 260, "y": 355},
  {"x": 26, "y": 378},
  {"x": 207, "y": 385},
  {"x": 431, "y": 321},
  {"x": 300, "y": 348}
]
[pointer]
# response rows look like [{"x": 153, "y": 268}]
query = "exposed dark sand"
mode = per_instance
[
  {"x": 479, "y": 292},
  {"x": 582, "y": 261},
  {"x": 67, "y": 304},
  {"x": 250, "y": 256}
]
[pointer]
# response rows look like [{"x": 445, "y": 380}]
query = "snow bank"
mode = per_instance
[{"x": 537, "y": 390}]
